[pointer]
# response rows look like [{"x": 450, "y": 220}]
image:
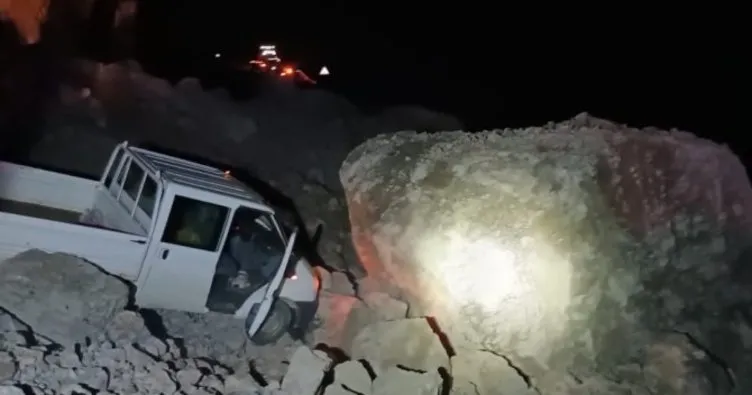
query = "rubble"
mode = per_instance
[
  {"x": 117, "y": 368},
  {"x": 94, "y": 346},
  {"x": 199, "y": 354},
  {"x": 147, "y": 365},
  {"x": 570, "y": 251},
  {"x": 397, "y": 380},
  {"x": 306, "y": 372},
  {"x": 352, "y": 376}
]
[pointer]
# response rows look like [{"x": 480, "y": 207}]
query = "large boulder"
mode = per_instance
[
  {"x": 577, "y": 251},
  {"x": 61, "y": 297}
]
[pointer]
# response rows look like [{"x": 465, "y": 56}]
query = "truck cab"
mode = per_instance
[{"x": 173, "y": 227}]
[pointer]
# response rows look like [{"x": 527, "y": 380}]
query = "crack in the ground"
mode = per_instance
[
  {"x": 441, "y": 335},
  {"x": 728, "y": 372},
  {"x": 354, "y": 284},
  {"x": 528, "y": 379}
]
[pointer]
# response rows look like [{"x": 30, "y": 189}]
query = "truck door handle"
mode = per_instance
[
  {"x": 165, "y": 253},
  {"x": 138, "y": 241}
]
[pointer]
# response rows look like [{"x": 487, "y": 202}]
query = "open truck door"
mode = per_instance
[{"x": 260, "y": 312}]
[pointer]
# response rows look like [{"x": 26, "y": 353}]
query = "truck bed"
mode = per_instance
[{"x": 38, "y": 211}]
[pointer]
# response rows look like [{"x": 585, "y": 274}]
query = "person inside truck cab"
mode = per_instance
[
  {"x": 255, "y": 257},
  {"x": 188, "y": 233},
  {"x": 195, "y": 225}
]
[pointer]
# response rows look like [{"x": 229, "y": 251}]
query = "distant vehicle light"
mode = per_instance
[
  {"x": 324, "y": 71},
  {"x": 217, "y": 55}
]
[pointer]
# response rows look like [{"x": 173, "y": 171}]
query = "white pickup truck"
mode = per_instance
[{"x": 166, "y": 224}]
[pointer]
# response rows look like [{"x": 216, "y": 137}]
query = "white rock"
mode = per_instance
[
  {"x": 241, "y": 385},
  {"x": 212, "y": 381},
  {"x": 73, "y": 389},
  {"x": 10, "y": 324},
  {"x": 154, "y": 347},
  {"x": 386, "y": 307},
  {"x": 155, "y": 382},
  {"x": 68, "y": 359},
  {"x": 341, "y": 284},
  {"x": 352, "y": 375},
  {"x": 128, "y": 327},
  {"x": 28, "y": 356},
  {"x": 408, "y": 342},
  {"x": 396, "y": 381},
  {"x": 338, "y": 389},
  {"x": 10, "y": 390},
  {"x": 96, "y": 378},
  {"x": 188, "y": 377},
  {"x": 136, "y": 357},
  {"x": 485, "y": 372},
  {"x": 306, "y": 371}
]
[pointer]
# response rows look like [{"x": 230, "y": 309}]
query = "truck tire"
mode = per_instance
[{"x": 276, "y": 325}]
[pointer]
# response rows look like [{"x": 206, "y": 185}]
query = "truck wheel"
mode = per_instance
[{"x": 276, "y": 325}]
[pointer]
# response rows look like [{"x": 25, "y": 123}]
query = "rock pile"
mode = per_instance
[
  {"x": 593, "y": 257},
  {"x": 363, "y": 343},
  {"x": 106, "y": 366},
  {"x": 408, "y": 360},
  {"x": 157, "y": 367}
]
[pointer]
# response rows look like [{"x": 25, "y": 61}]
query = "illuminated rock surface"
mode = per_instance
[{"x": 595, "y": 258}]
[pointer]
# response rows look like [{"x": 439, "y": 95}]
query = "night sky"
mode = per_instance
[{"x": 489, "y": 66}]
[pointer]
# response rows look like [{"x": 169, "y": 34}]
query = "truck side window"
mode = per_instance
[
  {"x": 148, "y": 196},
  {"x": 194, "y": 223},
  {"x": 123, "y": 170},
  {"x": 114, "y": 168},
  {"x": 133, "y": 180}
]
